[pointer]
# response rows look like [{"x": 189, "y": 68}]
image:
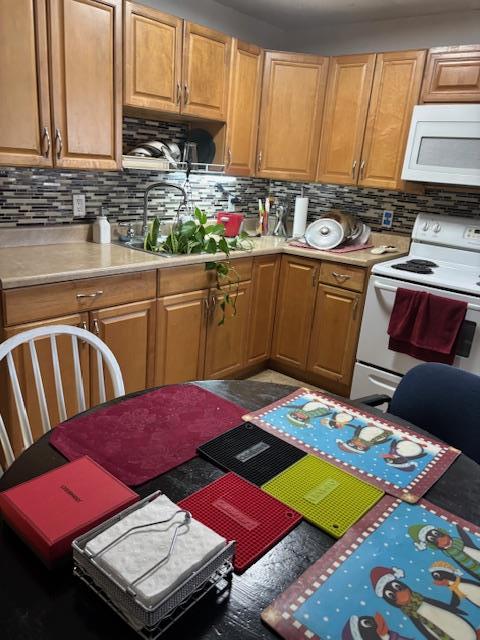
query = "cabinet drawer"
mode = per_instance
[
  {"x": 49, "y": 300},
  {"x": 173, "y": 280},
  {"x": 342, "y": 275}
]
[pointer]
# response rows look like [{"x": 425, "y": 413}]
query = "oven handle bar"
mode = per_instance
[{"x": 387, "y": 287}]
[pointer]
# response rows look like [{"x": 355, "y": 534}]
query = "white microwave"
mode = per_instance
[{"x": 444, "y": 144}]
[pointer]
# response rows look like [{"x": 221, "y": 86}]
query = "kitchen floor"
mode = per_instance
[{"x": 274, "y": 376}]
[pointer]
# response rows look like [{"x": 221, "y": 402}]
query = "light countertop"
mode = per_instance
[{"x": 22, "y": 266}]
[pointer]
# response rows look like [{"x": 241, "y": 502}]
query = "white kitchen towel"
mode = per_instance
[{"x": 142, "y": 549}]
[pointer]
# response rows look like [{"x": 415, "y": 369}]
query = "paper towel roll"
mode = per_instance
[{"x": 300, "y": 217}]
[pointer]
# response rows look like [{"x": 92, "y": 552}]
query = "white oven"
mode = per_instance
[
  {"x": 444, "y": 144},
  {"x": 379, "y": 370}
]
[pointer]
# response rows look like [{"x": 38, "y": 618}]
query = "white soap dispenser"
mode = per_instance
[{"x": 101, "y": 229}]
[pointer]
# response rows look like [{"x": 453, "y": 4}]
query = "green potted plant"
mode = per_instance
[{"x": 196, "y": 236}]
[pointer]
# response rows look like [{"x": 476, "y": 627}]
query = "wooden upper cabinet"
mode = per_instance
[
  {"x": 152, "y": 59},
  {"x": 290, "y": 117},
  {"x": 346, "y": 105},
  {"x": 452, "y": 74},
  {"x": 24, "y": 103},
  {"x": 244, "y": 106},
  {"x": 396, "y": 89},
  {"x": 206, "y": 72},
  {"x": 86, "y": 55},
  {"x": 295, "y": 305}
]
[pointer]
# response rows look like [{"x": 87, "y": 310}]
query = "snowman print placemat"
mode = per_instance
[
  {"x": 404, "y": 572},
  {"x": 392, "y": 457}
]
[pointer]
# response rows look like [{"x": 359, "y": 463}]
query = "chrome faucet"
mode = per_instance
[{"x": 152, "y": 186}]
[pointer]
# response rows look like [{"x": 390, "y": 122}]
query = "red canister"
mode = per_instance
[{"x": 232, "y": 222}]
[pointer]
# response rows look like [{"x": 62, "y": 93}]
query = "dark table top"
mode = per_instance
[{"x": 37, "y": 604}]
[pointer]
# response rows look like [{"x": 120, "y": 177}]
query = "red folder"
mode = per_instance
[{"x": 51, "y": 510}]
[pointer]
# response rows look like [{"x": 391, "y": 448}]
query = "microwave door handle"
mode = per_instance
[{"x": 387, "y": 287}]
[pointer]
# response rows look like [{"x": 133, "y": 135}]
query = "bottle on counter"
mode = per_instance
[{"x": 101, "y": 229}]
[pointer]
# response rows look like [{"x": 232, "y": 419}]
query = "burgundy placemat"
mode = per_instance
[{"x": 140, "y": 438}]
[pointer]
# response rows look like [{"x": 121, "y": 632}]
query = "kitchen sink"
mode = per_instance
[{"x": 137, "y": 245}]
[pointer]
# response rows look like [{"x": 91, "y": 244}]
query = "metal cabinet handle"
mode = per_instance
[
  {"x": 179, "y": 92},
  {"x": 354, "y": 166},
  {"x": 89, "y": 295},
  {"x": 259, "y": 161},
  {"x": 229, "y": 156},
  {"x": 206, "y": 303},
  {"x": 83, "y": 325},
  {"x": 186, "y": 94},
  {"x": 314, "y": 277},
  {"x": 46, "y": 136},
  {"x": 58, "y": 143},
  {"x": 341, "y": 277},
  {"x": 362, "y": 167},
  {"x": 96, "y": 328},
  {"x": 213, "y": 305},
  {"x": 354, "y": 308}
]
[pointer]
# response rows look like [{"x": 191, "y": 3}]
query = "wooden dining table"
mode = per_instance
[{"x": 39, "y": 604}]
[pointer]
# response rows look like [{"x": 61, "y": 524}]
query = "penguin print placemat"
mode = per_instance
[
  {"x": 392, "y": 457},
  {"x": 404, "y": 572}
]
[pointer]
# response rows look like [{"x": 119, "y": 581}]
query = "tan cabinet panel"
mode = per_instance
[
  {"x": 295, "y": 305},
  {"x": 343, "y": 275},
  {"x": 244, "y": 106},
  {"x": 25, "y": 126},
  {"x": 129, "y": 331},
  {"x": 226, "y": 344},
  {"x": 290, "y": 117},
  {"x": 26, "y": 378},
  {"x": 206, "y": 72},
  {"x": 153, "y": 58},
  {"x": 396, "y": 90},
  {"x": 262, "y": 312},
  {"x": 180, "y": 341},
  {"x": 346, "y": 105},
  {"x": 333, "y": 342},
  {"x": 452, "y": 74},
  {"x": 86, "y": 54}
]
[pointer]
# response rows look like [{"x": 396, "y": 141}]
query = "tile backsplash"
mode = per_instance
[{"x": 31, "y": 196}]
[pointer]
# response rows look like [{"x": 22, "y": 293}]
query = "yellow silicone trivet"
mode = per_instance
[{"x": 326, "y": 496}]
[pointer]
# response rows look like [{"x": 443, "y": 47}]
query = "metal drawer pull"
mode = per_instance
[
  {"x": 89, "y": 295},
  {"x": 46, "y": 136},
  {"x": 341, "y": 277}
]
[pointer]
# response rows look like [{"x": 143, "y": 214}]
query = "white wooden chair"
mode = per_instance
[{"x": 104, "y": 356}]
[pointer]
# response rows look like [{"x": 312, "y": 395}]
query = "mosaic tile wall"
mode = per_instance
[{"x": 41, "y": 197}]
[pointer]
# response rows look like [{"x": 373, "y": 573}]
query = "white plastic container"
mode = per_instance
[{"x": 101, "y": 230}]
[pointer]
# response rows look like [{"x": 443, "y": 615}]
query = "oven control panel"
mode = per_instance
[{"x": 472, "y": 234}]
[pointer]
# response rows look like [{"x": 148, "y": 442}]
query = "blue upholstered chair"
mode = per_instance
[{"x": 441, "y": 399}]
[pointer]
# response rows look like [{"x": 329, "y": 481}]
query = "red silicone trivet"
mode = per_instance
[{"x": 239, "y": 510}]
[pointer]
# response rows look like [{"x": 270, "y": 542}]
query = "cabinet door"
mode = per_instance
[
  {"x": 262, "y": 308},
  {"x": 23, "y": 365},
  {"x": 452, "y": 74},
  {"x": 295, "y": 305},
  {"x": 226, "y": 348},
  {"x": 24, "y": 104},
  {"x": 396, "y": 89},
  {"x": 244, "y": 106},
  {"x": 290, "y": 116},
  {"x": 86, "y": 65},
  {"x": 333, "y": 343},
  {"x": 206, "y": 72},
  {"x": 153, "y": 59},
  {"x": 129, "y": 331},
  {"x": 180, "y": 337},
  {"x": 346, "y": 104}
]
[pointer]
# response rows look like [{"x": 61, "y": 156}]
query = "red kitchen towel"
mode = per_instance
[
  {"x": 140, "y": 438},
  {"x": 425, "y": 326}
]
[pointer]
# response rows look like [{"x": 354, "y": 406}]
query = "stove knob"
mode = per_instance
[
  {"x": 437, "y": 228},
  {"x": 426, "y": 226}
]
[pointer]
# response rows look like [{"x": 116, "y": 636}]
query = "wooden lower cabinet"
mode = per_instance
[
  {"x": 335, "y": 328},
  {"x": 180, "y": 337},
  {"x": 26, "y": 379},
  {"x": 225, "y": 353},
  {"x": 262, "y": 308},
  {"x": 295, "y": 304},
  {"x": 129, "y": 331}
]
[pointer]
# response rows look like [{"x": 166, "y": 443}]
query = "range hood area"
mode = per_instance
[{"x": 443, "y": 145}]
